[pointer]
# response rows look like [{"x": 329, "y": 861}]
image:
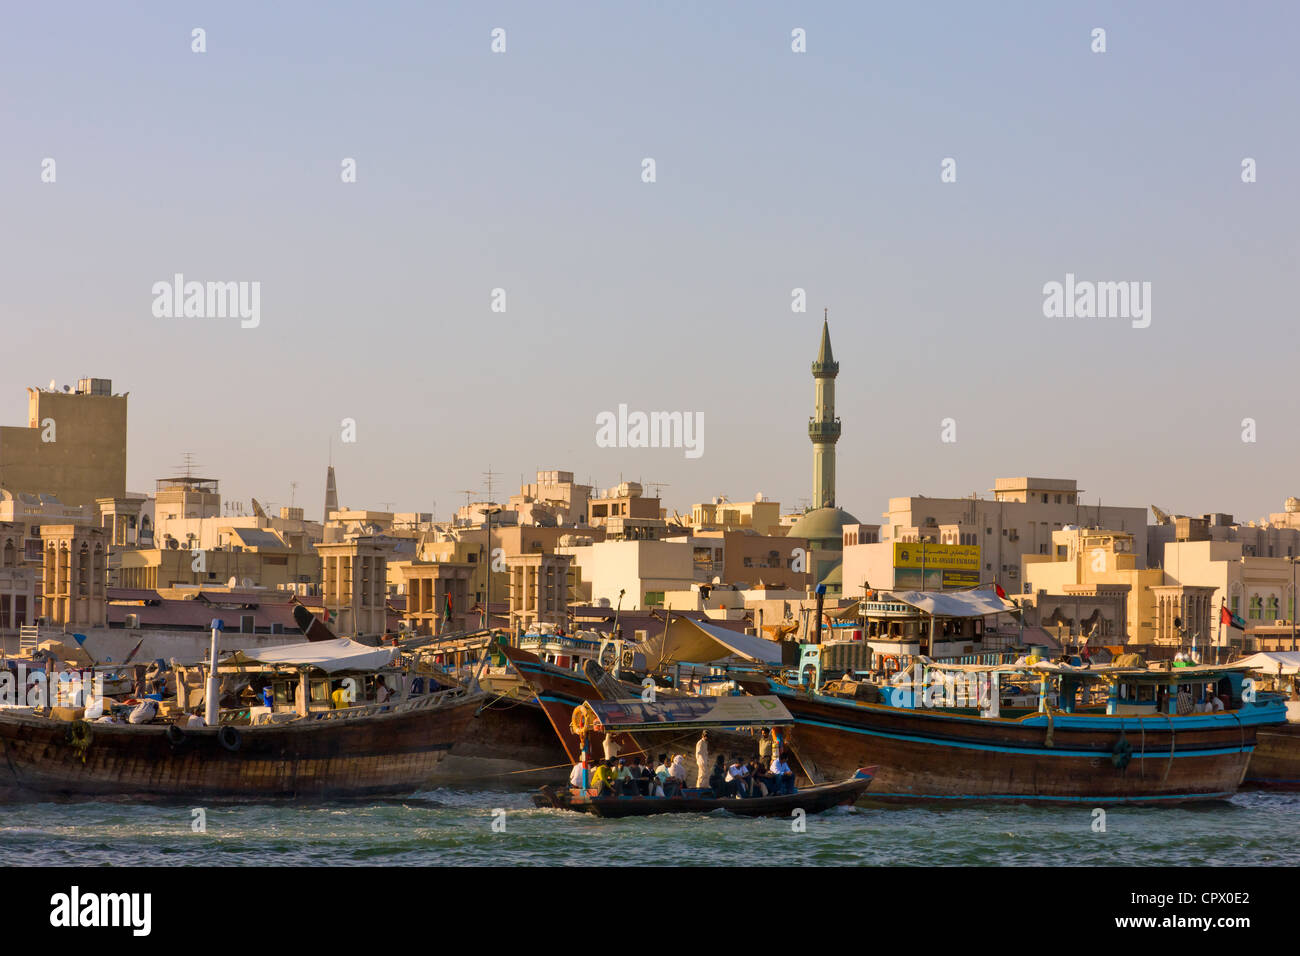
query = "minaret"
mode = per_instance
[
  {"x": 824, "y": 427},
  {"x": 331, "y": 494}
]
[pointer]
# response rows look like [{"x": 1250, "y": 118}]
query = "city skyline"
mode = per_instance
[{"x": 775, "y": 171}]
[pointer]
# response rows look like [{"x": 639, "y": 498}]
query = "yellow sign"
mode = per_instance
[{"x": 951, "y": 557}]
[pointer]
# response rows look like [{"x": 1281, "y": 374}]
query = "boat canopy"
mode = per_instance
[
  {"x": 686, "y": 713},
  {"x": 1162, "y": 675},
  {"x": 1272, "y": 662},
  {"x": 700, "y": 643},
  {"x": 975, "y": 602},
  {"x": 340, "y": 654}
]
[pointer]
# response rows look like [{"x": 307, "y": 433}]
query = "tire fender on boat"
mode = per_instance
[
  {"x": 175, "y": 736},
  {"x": 229, "y": 738}
]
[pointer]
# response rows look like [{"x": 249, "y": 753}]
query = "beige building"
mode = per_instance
[
  {"x": 74, "y": 578},
  {"x": 905, "y": 566},
  {"x": 354, "y": 586},
  {"x": 73, "y": 446},
  {"x": 429, "y": 585},
  {"x": 1094, "y": 562},
  {"x": 643, "y": 570},
  {"x": 250, "y": 557},
  {"x": 539, "y": 589},
  {"x": 746, "y": 558},
  {"x": 1019, "y": 520},
  {"x": 554, "y": 498},
  {"x": 1258, "y": 589},
  {"x": 760, "y": 516}
]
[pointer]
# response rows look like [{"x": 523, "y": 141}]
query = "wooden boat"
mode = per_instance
[
  {"x": 1124, "y": 752},
  {"x": 815, "y": 799},
  {"x": 295, "y": 747},
  {"x": 558, "y": 691},
  {"x": 389, "y": 749},
  {"x": 1275, "y": 764}
]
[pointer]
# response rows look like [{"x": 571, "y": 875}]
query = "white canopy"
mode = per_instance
[
  {"x": 1269, "y": 661},
  {"x": 977, "y": 602},
  {"x": 699, "y": 642},
  {"x": 340, "y": 654}
]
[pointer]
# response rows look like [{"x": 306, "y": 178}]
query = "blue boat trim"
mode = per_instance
[
  {"x": 1037, "y": 751},
  {"x": 873, "y": 794}
]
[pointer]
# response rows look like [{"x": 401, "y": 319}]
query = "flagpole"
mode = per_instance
[{"x": 1219, "y": 642}]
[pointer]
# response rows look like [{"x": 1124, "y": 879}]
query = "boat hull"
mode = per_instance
[
  {"x": 929, "y": 755},
  {"x": 815, "y": 799},
  {"x": 508, "y": 738},
  {"x": 1275, "y": 764},
  {"x": 388, "y": 753}
]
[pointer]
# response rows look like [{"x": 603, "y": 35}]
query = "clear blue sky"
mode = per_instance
[{"x": 775, "y": 170}]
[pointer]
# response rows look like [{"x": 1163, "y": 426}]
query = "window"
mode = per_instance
[
  {"x": 1058, "y": 499},
  {"x": 1236, "y": 606},
  {"x": 1256, "y": 607},
  {"x": 654, "y": 598},
  {"x": 1273, "y": 609}
]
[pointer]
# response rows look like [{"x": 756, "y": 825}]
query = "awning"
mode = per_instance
[
  {"x": 689, "y": 713},
  {"x": 978, "y": 602},
  {"x": 698, "y": 642},
  {"x": 1270, "y": 661},
  {"x": 340, "y": 654}
]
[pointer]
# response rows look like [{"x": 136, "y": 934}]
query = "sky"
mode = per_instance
[{"x": 774, "y": 170}]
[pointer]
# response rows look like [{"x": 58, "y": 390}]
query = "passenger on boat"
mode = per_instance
[
  {"x": 575, "y": 775},
  {"x": 339, "y": 698},
  {"x": 663, "y": 779},
  {"x": 678, "y": 771},
  {"x": 760, "y": 782},
  {"x": 782, "y": 776},
  {"x": 702, "y": 759},
  {"x": 718, "y": 779},
  {"x": 737, "y": 779},
  {"x": 640, "y": 784},
  {"x": 604, "y": 779},
  {"x": 625, "y": 783},
  {"x": 612, "y": 748},
  {"x": 765, "y": 747}
]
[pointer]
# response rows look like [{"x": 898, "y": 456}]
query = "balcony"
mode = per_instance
[{"x": 824, "y": 431}]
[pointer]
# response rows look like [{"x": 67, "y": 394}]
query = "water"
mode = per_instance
[{"x": 453, "y": 827}]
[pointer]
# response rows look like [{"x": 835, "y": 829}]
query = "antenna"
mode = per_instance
[
  {"x": 188, "y": 465},
  {"x": 293, "y": 492},
  {"x": 490, "y": 477},
  {"x": 467, "y": 493},
  {"x": 388, "y": 505}
]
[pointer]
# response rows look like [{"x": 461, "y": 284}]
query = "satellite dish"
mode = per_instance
[
  {"x": 232, "y": 582},
  {"x": 248, "y": 583},
  {"x": 53, "y": 385}
]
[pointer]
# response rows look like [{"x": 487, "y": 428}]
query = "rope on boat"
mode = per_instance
[{"x": 1173, "y": 734}]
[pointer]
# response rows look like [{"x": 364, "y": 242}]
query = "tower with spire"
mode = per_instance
[{"x": 824, "y": 427}]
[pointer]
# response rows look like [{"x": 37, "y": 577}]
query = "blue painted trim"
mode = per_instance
[
  {"x": 1046, "y": 799},
  {"x": 1036, "y": 751}
]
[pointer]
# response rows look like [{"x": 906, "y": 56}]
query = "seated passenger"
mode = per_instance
[
  {"x": 604, "y": 779},
  {"x": 782, "y": 776},
  {"x": 718, "y": 778},
  {"x": 737, "y": 779}
]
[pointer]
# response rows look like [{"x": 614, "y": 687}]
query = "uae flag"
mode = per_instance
[
  {"x": 446, "y": 611},
  {"x": 1230, "y": 619}
]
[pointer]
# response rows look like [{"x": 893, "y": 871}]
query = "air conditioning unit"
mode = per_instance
[{"x": 132, "y": 622}]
